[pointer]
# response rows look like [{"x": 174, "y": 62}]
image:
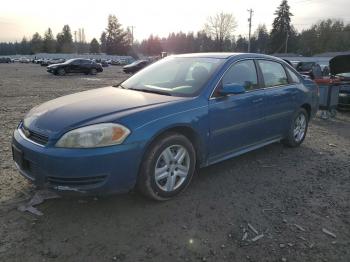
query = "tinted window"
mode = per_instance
[
  {"x": 273, "y": 73},
  {"x": 242, "y": 73},
  {"x": 294, "y": 78},
  {"x": 75, "y": 62}
]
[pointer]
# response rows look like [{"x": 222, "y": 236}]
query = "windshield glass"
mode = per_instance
[
  {"x": 347, "y": 75},
  {"x": 305, "y": 66},
  {"x": 178, "y": 76},
  {"x": 70, "y": 60}
]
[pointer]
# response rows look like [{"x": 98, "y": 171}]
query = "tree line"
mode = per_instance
[{"x": 327, "y": 35}]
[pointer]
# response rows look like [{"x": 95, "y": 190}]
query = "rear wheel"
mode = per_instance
[
  {"x": 298, "y": 129},
  {"x": 168, "y": 167}
]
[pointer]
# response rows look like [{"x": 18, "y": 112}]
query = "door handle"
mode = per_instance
[{"x": 257, "y": 100}]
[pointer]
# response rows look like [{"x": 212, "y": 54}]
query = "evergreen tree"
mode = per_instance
[
  {"x": 241, "y": 44},
  {"x": 281, "y": 28},
  {"x": 94, "y": 46},
  {"x": 103, "y": 40},
  {"x": 151, "y": 46},
  {"x": 36, "y": 43},
  {"x": 117, "y": 40},
  {"x": 49, "y": 43},
  {"x": 65, "y": 41},
  {"x": 262, "y": 39},
  {"x": 24, "y": 48}
]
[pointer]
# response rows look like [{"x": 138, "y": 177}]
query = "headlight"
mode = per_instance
[{"x": 99, "y": 135}]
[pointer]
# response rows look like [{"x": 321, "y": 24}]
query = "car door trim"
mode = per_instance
[{"x": 221, "y": 131}]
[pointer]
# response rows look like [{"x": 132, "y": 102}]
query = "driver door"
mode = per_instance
[{"x": 236, "y": 121}]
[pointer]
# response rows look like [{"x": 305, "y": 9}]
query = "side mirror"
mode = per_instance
[{"x": 232, "y": 89}]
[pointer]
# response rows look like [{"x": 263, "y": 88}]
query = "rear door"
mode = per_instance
[
  {"x": 236, "y": 121},
  {"x": 281, "y": 92}
]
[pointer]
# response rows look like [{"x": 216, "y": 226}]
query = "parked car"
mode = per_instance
[
  {"x": 47, "y": 62},
  {"x": 312, "y": 69},
  {"x": 75, "y": 66},
  {"x": 153, "y": 130},
  {"x": 135, "y": 66},
  {"x": 24, "y": 60},
  {"x": 5, "y": 60},
  {"x": 104, "y": 63},
  {"x": 114, "y": 62},
  {"x": 340, "y": 68}
]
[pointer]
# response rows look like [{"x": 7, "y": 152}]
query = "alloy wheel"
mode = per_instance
[
  {"x": 299, "y": 127},
  {"x": 172, "y": 168}
]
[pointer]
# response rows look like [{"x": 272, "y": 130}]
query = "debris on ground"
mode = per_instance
[
  {"x": 257, "y": 237},
  {"x": 327, "y": 232},
  {"x": 39, "y": 197},
  {"x": 299, "y": 227},
  {"x": 253, "y": 229},
  {"x": 245, "y": 234}
]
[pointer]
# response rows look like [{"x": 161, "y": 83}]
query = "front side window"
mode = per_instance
[
  {"x": 178, "y": 76},
  {"x": 273, "y": 73},
  {"x": 243, "y": 74},
  {"x": 293, "y": 76}
]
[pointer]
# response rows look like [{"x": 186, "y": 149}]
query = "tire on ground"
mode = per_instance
[
  {"x": 290, "y": 140},
  {"x": 146, "y": 183}
]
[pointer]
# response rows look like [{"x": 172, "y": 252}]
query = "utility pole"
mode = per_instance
[
  {"x": 286, "y": 50},
  {"x": 132, "y": 34},
  {"x": 250, "y": 26}
]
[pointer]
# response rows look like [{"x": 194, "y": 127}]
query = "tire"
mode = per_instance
[
  {"x": 333, "y": 112},
  {"x": 93, "y": 71},
  {"x": 61, "y": 72},
  {"x": 295, "y": 138},
  {"x": 171, "y": 179}
]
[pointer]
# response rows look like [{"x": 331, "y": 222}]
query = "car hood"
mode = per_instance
[
  {"x": 339, "y": 64},
  {"x": 65, "y": 113}
]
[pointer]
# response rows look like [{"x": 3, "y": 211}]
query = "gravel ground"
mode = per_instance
[{"x": 288, "y": 196}]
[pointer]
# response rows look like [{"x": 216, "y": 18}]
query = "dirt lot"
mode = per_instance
[{"x": 288, "y": 195}]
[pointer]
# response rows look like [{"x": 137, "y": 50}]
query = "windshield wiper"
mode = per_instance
[{"x": 160, "y": 92}]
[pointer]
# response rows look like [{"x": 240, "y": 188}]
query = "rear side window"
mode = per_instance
[
  {"x": 273, "y": 73},
  {"x": 242, "y": 73},
  {"x": 293, "y": 77}
]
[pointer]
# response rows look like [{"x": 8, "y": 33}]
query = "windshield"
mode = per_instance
[
  {"x": 306, "y": 66},
  {"x": 178, "y": 76},
  {"x": 69, "y": 61},
  {"x": 347, "y": 75}
]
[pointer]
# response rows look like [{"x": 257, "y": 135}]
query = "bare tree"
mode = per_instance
[{"x": 220, "y": 27}]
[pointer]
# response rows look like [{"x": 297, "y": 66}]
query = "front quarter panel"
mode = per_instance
[{"x": 191, "y": 114}]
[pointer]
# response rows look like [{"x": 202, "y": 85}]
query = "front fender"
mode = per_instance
[{"x": 195, "y": 119}]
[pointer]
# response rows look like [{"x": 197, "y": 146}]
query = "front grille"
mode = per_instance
[
  {"x": 76, "y": 181},
  {"x": 33, "y": 136}
]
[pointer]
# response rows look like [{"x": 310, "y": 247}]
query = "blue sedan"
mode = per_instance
[{"x": 156, "y": 128}]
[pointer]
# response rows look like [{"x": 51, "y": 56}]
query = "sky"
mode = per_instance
[{"x": 20, "y": 18}]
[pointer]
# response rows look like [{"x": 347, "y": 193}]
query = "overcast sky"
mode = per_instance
[{"x": 20, "y": 18}]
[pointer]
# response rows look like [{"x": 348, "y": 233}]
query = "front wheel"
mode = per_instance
[
  {"x": 61, "y": 72},
  {"x": 93, "y": 71},
  {"x": 167, "y": 168},
  {"x": 298, "y": 129}
]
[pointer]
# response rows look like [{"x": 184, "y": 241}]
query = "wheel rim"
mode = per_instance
[
  {"x": 172, "y": 168},
  {"x": 299, "y": 128}
]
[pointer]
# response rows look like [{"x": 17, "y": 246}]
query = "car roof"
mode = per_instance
[{"x": 226, "y": 55}]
